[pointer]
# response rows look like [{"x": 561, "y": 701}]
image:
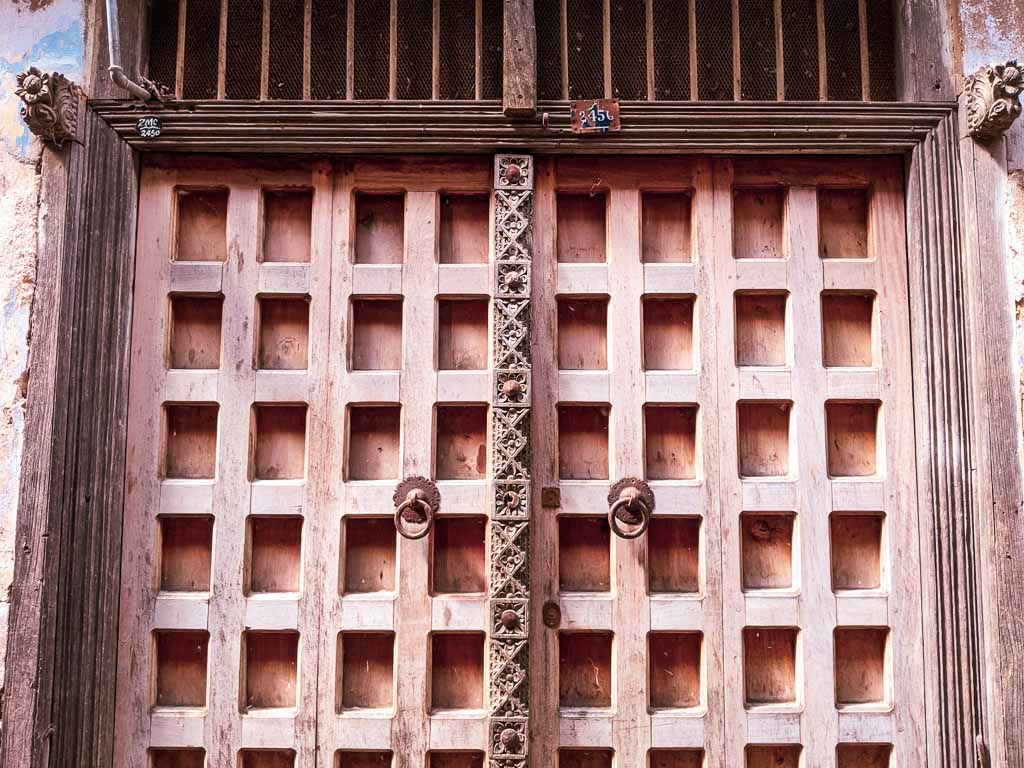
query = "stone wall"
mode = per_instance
[{"x": 47, "y": 34}]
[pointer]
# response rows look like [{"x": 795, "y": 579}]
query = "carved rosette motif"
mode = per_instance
[
  {"x": 49, "y": 105},
  {"x": 993, "y": 99},
  {"x": 510, "y": 533}
]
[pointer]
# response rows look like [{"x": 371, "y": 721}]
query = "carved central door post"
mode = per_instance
[{"x": 510, "y": 515}]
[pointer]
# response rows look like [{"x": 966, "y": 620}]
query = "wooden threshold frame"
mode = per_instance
[{"x": 63, "y": 619}]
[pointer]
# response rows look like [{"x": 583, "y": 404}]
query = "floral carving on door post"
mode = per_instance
[
  {"x": 993, "y": 99},
  {"x": 510, "y": 541}
]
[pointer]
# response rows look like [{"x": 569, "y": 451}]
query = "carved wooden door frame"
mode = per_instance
[{"x": 64, "y": 636}]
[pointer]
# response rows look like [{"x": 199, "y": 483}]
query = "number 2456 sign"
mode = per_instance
[{"x": 595, "y": 116}]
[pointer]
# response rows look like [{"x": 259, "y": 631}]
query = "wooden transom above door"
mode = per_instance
[{"x": 728, "y": 335}]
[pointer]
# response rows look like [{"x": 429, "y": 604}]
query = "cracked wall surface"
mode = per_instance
[{"x": 47, "y": 34}]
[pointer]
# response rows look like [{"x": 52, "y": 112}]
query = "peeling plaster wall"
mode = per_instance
[
  {"x": 992, "y": 31},
  {"x": 46, "y": 34}
]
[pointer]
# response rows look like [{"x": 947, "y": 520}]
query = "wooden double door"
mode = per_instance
[{"x": 584, "y": 461}]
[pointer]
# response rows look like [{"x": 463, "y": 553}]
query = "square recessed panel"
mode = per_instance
[
  {"x": 668, "y": 333},
  {"x": 675, "y": 758},
  {"x": 769, "y": 756},
  {"x": 379, "y": 229},
  {"x": 761, "y": 329},
  {"x": 186, "y": 552},
  {"x": 770, "y": 666},
  {"x": 584, "y": 554},
  {"x": 583, "y": 334},
  {"x": 581, "y": 228},
  {"x": 266, "y": 758},
  {"x": 857, "y": 550},
  {"x": 847, "y": 328},
  {"x": 670, "y": 442},
  {"x": 674, "y": 670},
  {"x": 758, "y": 215},
  {"x": 863, "y": 755},
  {"x": 376, "y": 341},
  {"x": 455, "y": 760},
  {"x": 190, "y": 442},
  {"x": 177, "y": 758},
  {"x": 763, "y": 437},
  {"x": 370, "y": 555},
  {"x": 348, "y": 758},
  {"x": 202, "y": 225},
  {"x": 373, "y": 442},
  {"x": 665, "y": 227},
  {"x": 458, "y": 563},
  {"x": 460, "y": 442},
  {"x": 366, "y": 670},
  {"x": 462, "y": 334},
  {"x": 585, "y": 758},
  {"x": 852, "y": 431},
  {"x": 274, "y": 556},
  {"x": 181, "y": 668},
  {"x": 585, "y": 669},
  {"x": 861, "y": 666},
  {"x": 195, "y": 332},
  {"x": 279, "y": 442},
  {"x": 457, "y": 670},
  {"x": 283, "y": 333},
  {"x": 287, "y": 224},
  {"x": 767, "y": 550},
  {"x": 843, "y": 223},
  {"x": 271, "y": 662},
  {"x": 464, "y": 229},
  {"x": 583, "y": 442},
  {"x": 673, "y": 554}
]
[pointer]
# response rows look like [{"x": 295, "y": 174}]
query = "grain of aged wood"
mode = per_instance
[{"x": 519, "y": 69}]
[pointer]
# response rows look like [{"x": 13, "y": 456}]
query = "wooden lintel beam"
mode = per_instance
[{"x": 520, "y": 64}]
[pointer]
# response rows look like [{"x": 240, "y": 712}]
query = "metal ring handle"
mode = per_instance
[
  {"x": 416, "y": 498},
  {"x": 626, "y": 500},
  {"x": 416, "y": 493}
]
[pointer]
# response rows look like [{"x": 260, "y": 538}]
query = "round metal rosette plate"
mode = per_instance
[
  {"x": 631, "y": 504},
  {"x": 417, "y": 500}
]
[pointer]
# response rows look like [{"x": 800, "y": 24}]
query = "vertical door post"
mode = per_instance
[{"x": 511, "y": 452}]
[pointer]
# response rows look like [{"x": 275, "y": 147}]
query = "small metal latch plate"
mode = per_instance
[{"x": 551, "y": 497}]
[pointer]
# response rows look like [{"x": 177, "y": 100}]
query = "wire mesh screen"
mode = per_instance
[
  {"x": 163, "y": 43},
  {"x": 456, "y": 50},
  {"x": 243, "y": 56},
  {"x": 202, "y": 26},
  {"x": 842, "y": 50},
  {"x": 709, "y": 50},
  {"x": 372, "y": 42},
  {"x": 491, "y": 34},
  {"x": 881, "y": 50},
  {"x": 758, "y": 69},
  {"x": 628, "y": 48},
  {"x": 328, "y": 41},
  {"x": 800, "y": 50},
  {"x": 584, "y": 21},
  {"x": 671, "y": 49},
  {"x": 414, "y": 55},
  {"x": 286, "y": 66},
  {"x": 714, "y": 50},
  {"x": 547, "y": 15}
]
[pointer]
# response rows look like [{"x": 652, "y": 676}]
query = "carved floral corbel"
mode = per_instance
[
  {"x": 993, "y": 99},
  {"x": 49, "y": 105}
]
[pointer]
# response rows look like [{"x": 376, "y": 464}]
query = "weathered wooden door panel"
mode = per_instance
[
  {"x": 728, "y": 336},
  {"x": 736, "y": 334}
]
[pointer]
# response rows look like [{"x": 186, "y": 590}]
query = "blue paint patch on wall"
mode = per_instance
[{"x": 60, "y": 50}]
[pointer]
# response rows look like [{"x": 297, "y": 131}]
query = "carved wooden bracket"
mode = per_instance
[
  {"x": 49, "y": 105},
  {"x": 993, "y": 99}
]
